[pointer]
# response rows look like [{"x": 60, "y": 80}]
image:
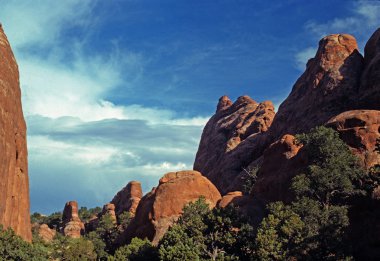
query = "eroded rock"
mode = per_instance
[
  {"x": 163, "y": 205},
  {"x": 14, "y": 182},
  {"x": 72, "y": 225}
]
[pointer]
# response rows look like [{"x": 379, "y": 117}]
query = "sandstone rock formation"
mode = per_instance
[
  {"x": 369, "y": 94},
  {"x": 14, "y": 183},
  {"x": 281, "y": 162},
  {"x": 161, "y": 207},
  {"x": 128, "y": 198},
  {"x": 360, "y": 129},
  {"x": 227, "y": 137},
  {"x": 238, "y": 134},
  {"x": 109, "y": 209},
  {"x": 327, "y": 87},
  {"x": 72, "y": 225},
  {"x": 47, "y": 234}
]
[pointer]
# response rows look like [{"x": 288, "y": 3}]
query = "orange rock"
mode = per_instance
[
  {"x": 163, "y": 205},
  {"x": 360, "y": 130},
  {"x": 128, "y": 198},
  {"x": 72, "y": 225},
  {"x": 47, "y": 234},
  {"x": 14, "y": 182},
  {"x": 227, "y": 137},
  {"x": 327, "y": 87}
]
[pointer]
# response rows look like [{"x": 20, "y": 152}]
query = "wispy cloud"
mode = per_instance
[
  {"x": 82, "y": 145},
  {"x": 363, "y": 20}
]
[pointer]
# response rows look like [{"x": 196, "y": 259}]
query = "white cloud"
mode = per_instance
[
  {"x": 364, "y": 20},
  {"x": 39, "y": 22},
  {"x": 83, "y": 146}
]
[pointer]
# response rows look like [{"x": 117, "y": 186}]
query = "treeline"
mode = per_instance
[{"x": 314, "y": 226}]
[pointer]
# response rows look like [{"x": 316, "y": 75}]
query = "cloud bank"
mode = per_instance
[{"x": 82, "y": 145}]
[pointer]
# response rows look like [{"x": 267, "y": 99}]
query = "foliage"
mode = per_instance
[
  {"x": 104, "y": 236},
  {"x": 53, "y": 220},
  {"x": 322, "y": 192},
  {"x": 86, "y": 214},
  {"x": 279, "y": 234},
  {"x": 137, "y": 250},
  {"x": 124, "y": 219},
  {"x": 13, "y": 247},
  {"x": 332, "y": 170},
  {"x": 201, "y": 233},
  {"x": 78, "y": 249}
]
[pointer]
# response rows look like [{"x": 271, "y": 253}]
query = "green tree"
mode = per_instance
[
  {"x": 322, "y": 191},
  {"x": 332, "y": 170},
  {"x": 137, "y": 250},
  {"x": 86, "y": 214},
  {"x": 279, "y": 234},
  {"x": 104, "y": 236},
  {"x": 13, "y": 247},
  {"x": 204, "y": 234}
]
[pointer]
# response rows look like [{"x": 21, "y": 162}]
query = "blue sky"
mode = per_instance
[{"x": 115, "y": 91}]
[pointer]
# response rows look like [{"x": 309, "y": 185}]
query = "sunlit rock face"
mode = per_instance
[
  {"x": 128, "y": 198},
  {"x": 161, "y": 207},
  {"x": 327, "y": 87},
  {"x": 14, "y": 182},
  {"x": 72, "y": 225}
]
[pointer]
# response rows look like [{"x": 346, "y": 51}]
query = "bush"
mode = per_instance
[
  {"x": 13, "y": 247},
  {"x": 137, "y": 250}
]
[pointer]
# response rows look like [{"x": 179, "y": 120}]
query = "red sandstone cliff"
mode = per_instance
[
  {"x": 14, "y": 182},
  {"x": 336, "y": 80}
]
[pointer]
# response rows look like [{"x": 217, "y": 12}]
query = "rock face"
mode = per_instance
[
  {"x": 281, "y": 162},
  {"x": 14, "y": 182},
  {"x": 47, "y": 234},
  {"x": 222, "y": 149},
  {"x": 360, "y": 130},
  {"x": 72, "y": 225},
  {"x": 128, "y": 198},
  {"x": 369, "y": 94},
  {"x": 327, "y": 87},
  {"x": 163, "y": 205}
]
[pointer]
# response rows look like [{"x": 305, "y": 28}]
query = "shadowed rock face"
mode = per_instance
[
  {"x": 163, "y": 205},
  {"x": 369, "y": 92},
  {"x": 72, "y": 225},
  {"x": 128, "y": 198},
  {"x": 327, "y": 87},
  {"x": 14, "y": 183},
  {"x": 281, "y": 162},
  {"x": 221, "y": 151}
]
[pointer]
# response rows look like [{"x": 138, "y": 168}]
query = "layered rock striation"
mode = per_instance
[
  {"x": 72, "y": 226},
  {"x": 14, "y": 182}
]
